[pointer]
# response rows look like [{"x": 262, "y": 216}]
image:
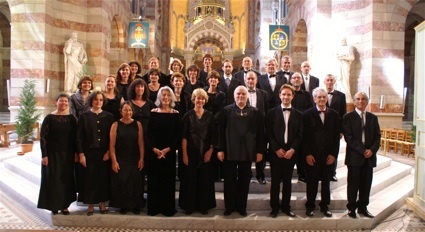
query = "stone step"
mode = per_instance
[
  {"x": 23, "y": 191},
  {"x": 24, "y": 167}
]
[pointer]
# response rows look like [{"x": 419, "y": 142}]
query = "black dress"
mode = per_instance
[
  {"x": 122, "y": 90},
  {"x": 127, "y": 184},
  {"x": 197, "y": 190},
  {"x": 162, "y": 133},
  {"x": 93, "y": 141},
  {"x": 142, "y": 114},
  {"x": 57, "y": 189},
  {"x": 113, "y": 106}
]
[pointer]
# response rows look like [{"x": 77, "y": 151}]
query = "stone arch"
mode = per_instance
[
  {"x": 209, "y": 35},
  {"x": 117, "y": 43},
  {"x": 5, "y": 40},
  {"x": 299, "y": 44},
  {"x": 414, "y": 17}
]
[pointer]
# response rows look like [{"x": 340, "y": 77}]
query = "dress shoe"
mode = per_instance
[
  {"x": 89, "y": 213},
  {"x": 334, "y": 178},
  {"x": 289, "y": 213},
  {"x": 302, "y": 179},
  {"x": 243, "y": 213},
  {"x": 309, "y": 213},
  {"x": 274, "y": 213},
  {"x": 352, "y": 214},
  {"x": 188, "y": 212},
  {"x": 136, "y": 211},
  {"x": 65, "y": 212},
  {"x": 365, "y": 213},
  {"x": 261, "y": 180},
  {"x": 123, "y": 211},
  {"x": 54, "y": 212},
  {"x": 227, "y": 212},
  {"x": 327, "y": 213},
  {"x": 204, "y": 212}
]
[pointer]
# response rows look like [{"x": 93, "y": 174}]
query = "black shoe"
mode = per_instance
[
  {"x": 274, "y": 213},
  {"x": 204, "y": 212},
  {"x": 365, "y": 213},
  {"x": 302, "y": 179},
  {"x": 136, "y": 211},
  {"x": 123, "y": 211},
  {"x": 188, "y": 212},
  {"x": 243, "y": 213},
  {"x": 227, "y": 212},
  {"x": 327, "y": 213},
  {"x": 289, "y": 213},
  {"x": 261, "y": 180},
  {"x": 65, "y": 212},
  {"x": 352, "y": 214},
  {"x": 89, "y": 213},
  {"x": 54, "y": 212},
  {"x": 333, "y": 178},
  {"x": 309, "y": 213}
]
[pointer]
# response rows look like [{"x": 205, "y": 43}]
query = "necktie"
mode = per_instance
[
  {"x": 363, "y": 127},
  {"x": 306, "y": 78},
  {"x": 227, "y": 80}
]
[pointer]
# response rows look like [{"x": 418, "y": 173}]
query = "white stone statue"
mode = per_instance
[
  {"x": 75, "y": 58},
  {"x": 345, "y": 55}
]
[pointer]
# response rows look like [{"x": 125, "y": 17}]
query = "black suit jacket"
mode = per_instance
[
  {"x": 352, "y": 129},
  {"x": 262, "y": 104},
  {"x": 275, "y": 128},
  {"x": 240, "y": 76},
  {"x": 313, "y": 83},
  {"x": 338, "y": 103},
  {"x": 320, "y": 139},
  {"x": 287, "y": 75},
  {"x": 229, "y": 90},
  {"x": 264, "y": 84}
]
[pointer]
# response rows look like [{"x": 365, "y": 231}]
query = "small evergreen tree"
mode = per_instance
[{"x": 27, "y": 113}]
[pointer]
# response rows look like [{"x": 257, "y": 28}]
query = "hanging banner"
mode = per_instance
[
  {"x": 279, "y": 37},
  {"x": 138, "y": 35}
]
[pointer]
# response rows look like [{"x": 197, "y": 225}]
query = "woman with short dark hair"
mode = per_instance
[{"x": 78, "y": 99}]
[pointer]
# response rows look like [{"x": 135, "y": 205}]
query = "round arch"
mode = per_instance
[{"x": 209, "y": 35}]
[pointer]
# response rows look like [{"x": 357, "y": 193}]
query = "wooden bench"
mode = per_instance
[{"x": 7, "y": 129}]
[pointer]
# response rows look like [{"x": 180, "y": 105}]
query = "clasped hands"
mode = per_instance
[
  {"x": 311, "y": 161},
  {"x": 161, "y": 153},
  {"x": 285, "y": 154}
]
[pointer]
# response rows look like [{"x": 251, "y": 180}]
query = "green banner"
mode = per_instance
[{"x": 279, "y": 37}]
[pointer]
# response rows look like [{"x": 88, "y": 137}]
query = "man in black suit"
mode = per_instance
[
  {"x": 362, "y": 134},
  {"x": 302, "y": 101},
  {"x": 241, "y": 140},
  {"x": 247, "y": 66},
  {"x": 284, "y": 132},
  {"x": 258, "y": 99},
  {"x": 271, "y": 83},
  {"x": 207, "y": 60},
  {"x": 310, "y": 82},
  {"x": 320, "y": 147},
  {"x": 336, "y": 101},
  {"x": 285, "y": 67},
  {"x": 227, "y": 82}
]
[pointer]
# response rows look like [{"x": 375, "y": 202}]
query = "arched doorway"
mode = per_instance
[
  {"x": 211, "y": 46},
  {"x": 414, "y": 17},
  {"x": 4, "y": 54}
]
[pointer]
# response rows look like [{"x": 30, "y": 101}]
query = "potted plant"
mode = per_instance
[{"x": 27, "y": 115}]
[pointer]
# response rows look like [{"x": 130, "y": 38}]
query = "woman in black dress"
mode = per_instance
[
  {"x": 78, "y": 99},
  {"x": 127, "y": 155},
  {"x": 114, "y": 100},
  {"x": 193, "y": 79},
  {"x": 93, "y": 149},
  {"x": 154, "y": 84},
  {"x": 163, "y": 138},
  {"x": 197, "y": 183},
  {"x": 123, "y": 80},
  {"x": 58, "y": 131},
  {"x": 135, "y": 69}
]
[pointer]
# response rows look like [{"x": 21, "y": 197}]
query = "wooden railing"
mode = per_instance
[{"x": 7, "y": 129}]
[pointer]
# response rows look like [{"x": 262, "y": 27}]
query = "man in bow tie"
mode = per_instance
[
  {"x": 247, "y": 66},
  {"x": 336, "y": 101},
  {"x": 258, "y": 99},
  {"x": 227, "y": 82},
  {"x": 284, "y": 131},
  {"x": 320, "y": 147},
  {"x": 285, "y": 67},
  {"x": 309, "y": 82},
  {"x": 271, "y": 83}
]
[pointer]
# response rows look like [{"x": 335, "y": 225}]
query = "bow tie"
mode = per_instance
[
  {"x": 246, "y": 71},
  {"x": 285, "y": 109},
  {"x": 273, "y": 75},
  {"x": 331, "y": 93},
  {"x": 321, "y": 111},
  {"x": 289, "y": 73},
  {"x": 251, "y": 90}
]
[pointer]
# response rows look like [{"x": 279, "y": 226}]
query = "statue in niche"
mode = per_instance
[
  {"x": 75, "y": 58},
  {"x": 345, "y": 55}
]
